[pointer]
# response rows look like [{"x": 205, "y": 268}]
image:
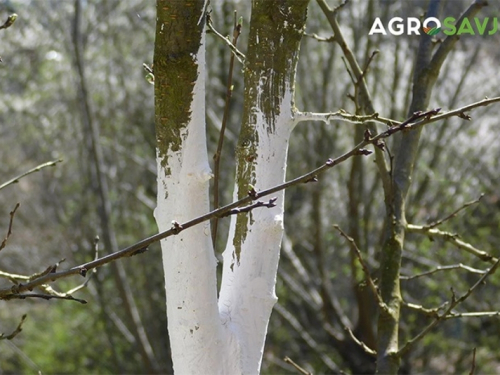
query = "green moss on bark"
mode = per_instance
[
  {"x": 275, "y": 32},
  {"x": 179, "y": 29}
]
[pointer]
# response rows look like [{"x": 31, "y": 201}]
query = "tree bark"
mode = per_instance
[
  {"x": 227, "y": 337},
  {"x": 426, "y": 72},
  {"x": 251, "y": 257},
  {"x": 194, "y": 328}
]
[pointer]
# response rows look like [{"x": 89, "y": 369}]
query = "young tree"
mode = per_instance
[
  {"x": 225, "y": 335},
  {"x": 223, "y": 331},
  {"x": 237, "y": 322}
]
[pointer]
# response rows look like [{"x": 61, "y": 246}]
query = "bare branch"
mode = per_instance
[
  {"x": 479, "y": 314},
  {"x": 434, "y": 312},
  {"x": 424, "y": 117},
  {"x": 320, "y": 38},
  {"x": 93, "y": 272},
  {"x": 14, "y": 333},
  {"x": 33, "y": 170},
  {"x": 473, "y": 367},
  {"x": 444, "y": 268},
  {"x": 297, "y": 367},
  {"x": 361, "y": 343},
  {"x": 343, "y": 116},
  {"x": 367, "y": 65},
  {"x": 268, "y": 204},
  {"x": 452, "y": 238},
  {"x": 239, "y": 55},
  {"x": 9, "y": 231},
  {"x": 229, "y": 93},
  {"x": 368, "y": 276},
  {"x": 308, "y": 339},
  {"x": 13, "y": 277},
  {"x": 454, "y": 213},
  {"x": 363, "y": 98},
  {"x": 447, "y": 45},
  {"x": 454, "y": 303},
  {"x": 46, "y": 297}
]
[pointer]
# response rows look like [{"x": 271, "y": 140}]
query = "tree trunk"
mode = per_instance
[
  {"x": 227, "y": 337},
  {"x": 426, "y": 72},
  {"x": 183, "y": 181},
  {"x": 252, "y": 252}
]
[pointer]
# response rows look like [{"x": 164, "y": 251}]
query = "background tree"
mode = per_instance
[{"x": 320, "y": 286}]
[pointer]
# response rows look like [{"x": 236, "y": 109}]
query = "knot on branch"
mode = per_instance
[
  {"x": 313, "y": 178},
  {"x": 176, "y": 227},
  {"x": 363, "y": 151},
  {"x": 464, "y": 116}
]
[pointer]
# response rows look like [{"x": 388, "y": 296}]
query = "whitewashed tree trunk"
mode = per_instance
[{"x": 225, "y": 336}]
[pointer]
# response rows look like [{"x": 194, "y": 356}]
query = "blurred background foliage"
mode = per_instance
[{"x": 320, "y": 287}]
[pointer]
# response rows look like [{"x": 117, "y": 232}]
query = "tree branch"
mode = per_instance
[
  {"x": 141, "y": 246},
  {"x": 45, "y": 296},
  {"x": 365, "y": 100},
  {"x": 453, "y": 303},
  {"x": 454, "y": 213},
  {"x": 343, "y": 116},
  {"x": 368, "y": 276},
  {"x": 236, "y": 52},
  {"x": 14, "y": 333},
  {"x": 452, "y": 238},
  {"x": 361, "y": 343},
  {"x": 229, "y": 92},
  {"x": 9, "y": 231},
  {"x": 305, "y": 335},
  {"x": 444, "y": 268},
  {"x": 33, "y": 170},
  {"x": 296, "y": 366}
]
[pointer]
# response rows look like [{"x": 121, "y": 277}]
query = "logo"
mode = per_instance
[
  {"x": 433, "y": 26},
  {"x": 431, "y": 30}
]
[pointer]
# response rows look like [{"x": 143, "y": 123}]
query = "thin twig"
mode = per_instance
[
  {"x": 343, "y": 116},
  {"x": 93, "y": 271},
  {"x": 368, "y": 276},
  {"x": 478, "y": 314},
  {"x": 270, "y": 203},
  {"x": 320, "y": 38},
  {"x": 367, "y": 65},
  {"x": 440, "y": 317},
  {"x": 46, "y": 297},
  {"x": 33, "y": 170},
  {"x": 454, "y": 213},
  {"x": 363, "y": 346},
  {"x": 473, "y": 366},
  {"x": 229, "y": 92},
  {"x": 444, "y": 268},
  {"x": 14, "y": 333},
  {"x": 452, "y": 238},
  {"x": 363, "y": 98},
  {"x": 434, "y": 312},
  {"x": 297, "y": 367},
  {"x": 239, "y": 55},
  {"x": 9, "y": 231},
  {"x": 307, "y": 177}
]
